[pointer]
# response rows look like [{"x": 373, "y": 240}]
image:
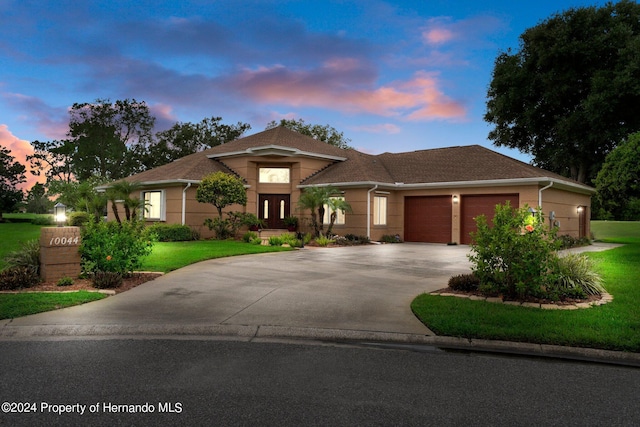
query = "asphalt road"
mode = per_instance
[{"x": 213, "y": 382}]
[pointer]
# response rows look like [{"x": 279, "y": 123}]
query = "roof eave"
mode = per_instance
[
  {"x": 576, "y": 187},
  {"x": 276, "y": 150},
  {"x": 155, "y": 182}
]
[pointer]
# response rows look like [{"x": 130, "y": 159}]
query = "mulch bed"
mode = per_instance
[{"x": 85, "y": 284}]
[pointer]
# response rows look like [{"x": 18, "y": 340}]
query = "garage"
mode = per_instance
[
  {"x": 481, "y": 204},
  {"x": 427, "y": 219}
]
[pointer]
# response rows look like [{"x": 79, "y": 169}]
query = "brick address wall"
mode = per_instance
[{"x": 59, "y": 256}]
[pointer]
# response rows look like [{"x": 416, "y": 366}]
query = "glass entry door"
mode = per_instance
[{"x": 273, "y": 208}]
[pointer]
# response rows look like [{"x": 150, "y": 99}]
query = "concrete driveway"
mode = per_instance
[{"x": 363, "y": 288}]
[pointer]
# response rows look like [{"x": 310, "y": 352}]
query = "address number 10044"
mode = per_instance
[{"x": 64, "y": 241}]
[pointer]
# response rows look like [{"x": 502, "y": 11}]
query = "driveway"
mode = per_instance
[{"x": 362, "y": 288}]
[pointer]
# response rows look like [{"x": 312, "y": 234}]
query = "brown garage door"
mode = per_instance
[
  {"x": 427, "y": 219},
  {"x": 484, "y": 204}
]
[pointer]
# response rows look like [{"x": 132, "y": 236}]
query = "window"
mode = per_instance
[
  {"x": 339, "y": 214},
  {"x": 154, "y": 205},
  {"x": 379, "y": 210},
  {"x": 274, "y": 175}
]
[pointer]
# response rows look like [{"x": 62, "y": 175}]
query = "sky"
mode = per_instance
[{"x": 393, "y": 76}]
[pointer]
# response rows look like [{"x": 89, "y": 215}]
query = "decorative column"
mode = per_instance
[{"x": 59, "y": 253}]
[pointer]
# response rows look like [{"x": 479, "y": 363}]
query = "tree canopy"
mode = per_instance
[
  {"x": 572, "y": 89},
  {"x": 325, "y": 133},
  {"x": 221, "y": 190},
  {"x": 183, "y": 139},
  {"x": 618, "y": 182},
  {"x": 11, "y": 174},
  {"x": 104, "y": 136}
]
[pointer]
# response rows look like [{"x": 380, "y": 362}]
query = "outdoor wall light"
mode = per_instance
[
  {"x": 60, "y": 213},
  {"x": 455, "y": 199},
  {"x": 580, "y": 209}
]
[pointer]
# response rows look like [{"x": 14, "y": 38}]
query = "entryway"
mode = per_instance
[{"x": 273, "y": 209}]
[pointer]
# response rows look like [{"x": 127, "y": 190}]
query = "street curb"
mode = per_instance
[{"x": 268, "y": 332}]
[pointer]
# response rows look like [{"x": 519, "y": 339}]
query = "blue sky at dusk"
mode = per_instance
[{"x": 392, "y": 75}]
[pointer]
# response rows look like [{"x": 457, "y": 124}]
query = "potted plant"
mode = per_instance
[
  {"x": 253, "y": 222},
  {"x": 291, "y": 222}
]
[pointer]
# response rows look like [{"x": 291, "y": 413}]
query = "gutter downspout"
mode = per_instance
[
  {"x": 184, "y": 203},
  {"x": 540, "y": 194},
  {"x": 369, "y": 210}
]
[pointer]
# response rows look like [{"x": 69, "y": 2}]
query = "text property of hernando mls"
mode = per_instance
[{"x": 95, "y": 408}]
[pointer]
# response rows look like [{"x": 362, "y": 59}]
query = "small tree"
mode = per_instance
[
  {"x": 336, "y": 204},
  {"x": 11, "y": 174},
  {"x": 221, "y": 190},
  {"x": 617, "y": 182},
  {"x": 121, "y": 190},
  {"x": 515, "y": 257},
  {"x": 314, "y": 199}
]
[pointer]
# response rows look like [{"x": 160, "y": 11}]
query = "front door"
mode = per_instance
[{"x": 273, "y": 208}]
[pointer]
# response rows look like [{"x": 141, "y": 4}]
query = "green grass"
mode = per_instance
[
  {"x": 613, "y": 326},
  {"x": 168, "y": 256},
  {"x": 23, "y": 304},
  {"x": 618, "y": 230},
  {"x": 13, "y": 235}
]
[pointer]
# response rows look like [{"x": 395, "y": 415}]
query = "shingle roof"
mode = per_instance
[
  {"x": 454, "y": 164},
  {"x": 441, "y": 165},
  {"x": 189, "y": 168},
  {"x": 280, "y": 136}
]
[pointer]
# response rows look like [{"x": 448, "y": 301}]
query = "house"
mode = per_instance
[{"x": 422, "y": 196}]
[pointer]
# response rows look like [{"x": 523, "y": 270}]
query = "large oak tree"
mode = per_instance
[{"x": 572, "y": 89}]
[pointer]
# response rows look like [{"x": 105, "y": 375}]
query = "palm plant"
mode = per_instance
[
  {"x": 336, "y": 204},
  {"x": 122, "y": 190},
  {"x": 314, "y": 199}
]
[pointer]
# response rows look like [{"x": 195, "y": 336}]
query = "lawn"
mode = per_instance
[
  {"x": 168, "y": 256},
  {"x": 17, "y": 305},
  {"x": 14, "y": 234},
  {"x": 614, "y": 326}
]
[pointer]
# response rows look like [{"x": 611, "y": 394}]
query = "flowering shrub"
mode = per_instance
[
  {"x": 517, "y": 255},
  {"x": 113, "y": 247}
]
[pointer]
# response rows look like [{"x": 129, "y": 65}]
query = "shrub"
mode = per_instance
[
  {"x": 78, "y": 219},
  {"x": 28, "y": 256},
  {"x": 107, "y": 279},
  {"x": 114, "y": 247},
  {"x": 256, "y": 241},
  {"x": 276, "y": 240},
  {"x": 566, "y": 241},
  {"x": 324, "y": 241},
  {"x": 65, "y": 281},
  {"x": 464, "y": 282},
  {"x": 17, "y": 278},
  {"x": 249, "y": 236},
  {"x": 391, "y": 238},
  {"x": 43, "y": 220},
  {"x": 515, "y": 257},
  {"x": 291, "y": 240},
  {"x": 173, "y": 232},
  {"x": 576, "y": 275},
  {"x": 351, "y": 239}
]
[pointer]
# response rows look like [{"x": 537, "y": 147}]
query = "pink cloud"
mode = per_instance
[
  {"x": 20, "y": 149},
  {"x": 438, "y": 36},
  {"x": 348, "y": 86},
  {"x": 444, "y": 30}
]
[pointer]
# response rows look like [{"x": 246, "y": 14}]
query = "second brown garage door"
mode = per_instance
[
  {"x": 483, "y": 204},
  {"x": 427, "y": 219}
]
